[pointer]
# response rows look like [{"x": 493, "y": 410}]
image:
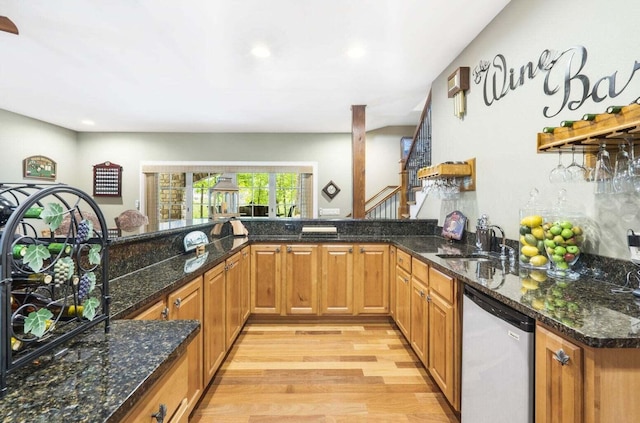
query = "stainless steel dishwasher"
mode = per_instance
[{"x": 497, "y": 361}]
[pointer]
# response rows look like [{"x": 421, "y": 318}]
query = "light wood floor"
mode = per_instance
[{"x": 322, "y": 373}]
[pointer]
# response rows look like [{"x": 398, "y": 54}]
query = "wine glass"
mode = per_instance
[
  {"x": 575, "y": 171},
  {"x": 559, "y": 173},
  {"x": 603, "y": 173},
  {"x": 622, "y": 174}
]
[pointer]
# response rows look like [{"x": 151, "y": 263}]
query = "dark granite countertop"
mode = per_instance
[
  {"x": 585, "y": 310},
  {"x": 99, "y": 377}
]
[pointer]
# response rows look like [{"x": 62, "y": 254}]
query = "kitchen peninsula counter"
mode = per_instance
[{"x": 101, "y": 376}]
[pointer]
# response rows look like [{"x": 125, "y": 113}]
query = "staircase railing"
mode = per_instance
[
  {"x": 419, "y": 157},
  {"x": 385, "y": 204}
]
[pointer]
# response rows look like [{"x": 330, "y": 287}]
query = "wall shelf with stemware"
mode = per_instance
[
  {"x": 465, "y": 172},
  {"x": 610, "y": 128}
]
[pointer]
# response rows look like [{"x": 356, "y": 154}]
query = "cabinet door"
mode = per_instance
[
  {"x": 337, "y": 280},
  {"x": 371, "y": 279},
  {"x": 301, "y": 280},
  {"x": 186, "y": 303},
  {"x": 214, "y": 321},
  {"x": 441, "y": 358},
  {"x": 233, "y": 297},
  {"x": 419, "y": 319},
  {"x": 266, "y": 279},
  {"x": 245, "y": 284},
  {"x": 392, "y": 282},
  {"x": 559, "y": 376},
  {"x": 403, "y": 301}
]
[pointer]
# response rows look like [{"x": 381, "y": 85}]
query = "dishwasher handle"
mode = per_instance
[{"x": 500, "y": 310}]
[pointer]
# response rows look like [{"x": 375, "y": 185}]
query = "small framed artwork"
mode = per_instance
[
  {"x": 405, "y": 148},
  {"x": 39, "y": 167},
  {"x": 331, "y": 189},
  {"x": 454, "y": 225}
]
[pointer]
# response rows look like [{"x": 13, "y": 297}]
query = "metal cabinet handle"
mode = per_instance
[
  {"x": 177, "y": 302},
  {"x": 160, "y": 414},
  {"x": 406, "y": 280},
  {"x": 362, "y": 249},
  {"x": 289, "y": 249},
  {"x": 350, "y": 250},
  {"x": 562, "y": 357},
  {"x": 429, "y": 298},
  {"x": 400, "y": 259},
  {"x": 278, "y": 250},
  {"x": 421, "y": 293},
  {"x": 165, "y": 313}
]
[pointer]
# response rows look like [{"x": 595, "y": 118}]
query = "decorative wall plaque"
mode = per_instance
[
  {"x": 107, "y": 180},
  {"x": 39, "y": 167}
]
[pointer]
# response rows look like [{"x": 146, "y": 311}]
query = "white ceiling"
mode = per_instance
[{"x": 186, "y": 66}]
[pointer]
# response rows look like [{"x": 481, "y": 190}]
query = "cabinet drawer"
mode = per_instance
[
  {"x": 403, "y": 260},
  {"x": 420, "y": 270},
  {"x": 442, "y": 284}
]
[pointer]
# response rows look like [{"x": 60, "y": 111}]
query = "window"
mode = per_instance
[{"x": 178, "y": 191}]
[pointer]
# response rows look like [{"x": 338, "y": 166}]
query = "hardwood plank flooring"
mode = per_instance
[{"x": 322, "y": 373}]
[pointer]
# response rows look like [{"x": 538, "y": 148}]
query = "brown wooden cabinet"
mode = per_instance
[
  {"x": 336, "y": 292},
  {"x": 167, "y": 397},
  {"x": 559, "y": 379},
  {"x": 371, "y": 279},
  {"x": 420, "y": 309},
  {"x": 214, "y": 327},
  {"x": 403, "y": 293},
  {"x": 186, "y": 303},
  {"x": 233, "y": 281},
  {"x": 266, "y": 279},
  {"x": 444, "y": 348},
  {"x": 392, "y": 282},
  {"x": 301, "y": 279},
  {"x": 245, "y": 283}
]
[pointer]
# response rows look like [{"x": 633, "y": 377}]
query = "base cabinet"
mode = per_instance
[
  {"x": 301, "y": 279},
  {"x": 185, "y": 303},
  {"x": 371, "y": 279},
  {"x": 336, "y": 293},
  {"x": 266, "y": 279},
  {"x": 233, "y": 302},
  {"x": 214, "y": 326},
  {"x": 403, "y": 293},
  {"x": 445, "y": 344},
  {"x": 167, "y": 400},
  {"x": 420, "y": 311}
]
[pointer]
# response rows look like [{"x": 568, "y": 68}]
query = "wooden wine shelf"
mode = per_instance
[
  {"x": 606, "y": 128},
  {"x": 466, "y": 171}
]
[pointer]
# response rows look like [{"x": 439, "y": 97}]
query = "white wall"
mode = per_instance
[
  {"x": 503, "y": 136},
  {"x": 22, "y": 137}
]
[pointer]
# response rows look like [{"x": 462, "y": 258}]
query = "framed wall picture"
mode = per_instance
[
  {"x": 405, "y": 148},
  {"x": 39, "y": 167}
]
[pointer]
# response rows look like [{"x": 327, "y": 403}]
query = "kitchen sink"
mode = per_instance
[{"x": 472, "y": 256}]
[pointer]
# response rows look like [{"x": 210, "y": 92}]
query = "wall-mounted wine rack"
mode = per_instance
[{"x": 53, "y": 270}]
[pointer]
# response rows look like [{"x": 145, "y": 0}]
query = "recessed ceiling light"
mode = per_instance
[
  {"x": 88, "y": 122},
  {"x": 356, "y": 52},
  {"x": 261, "y": 51}
]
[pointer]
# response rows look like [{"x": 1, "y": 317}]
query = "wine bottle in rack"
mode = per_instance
[
  {"x": 589, "y": 116},
  {"x": 614, "y": 109},
  {"x": 55, "y": 248},
  {"x": 567, "y": 123},
  {"x": 31, "y": 279},
  {"x": 548, "y": 129}
]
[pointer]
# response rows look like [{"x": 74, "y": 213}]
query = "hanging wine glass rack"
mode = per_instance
[
  {"x": 53, "y": 270},
  {"x": 463, "y": 172}
]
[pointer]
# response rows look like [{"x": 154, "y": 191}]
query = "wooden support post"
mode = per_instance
[{"x": 358, "y": 148}]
